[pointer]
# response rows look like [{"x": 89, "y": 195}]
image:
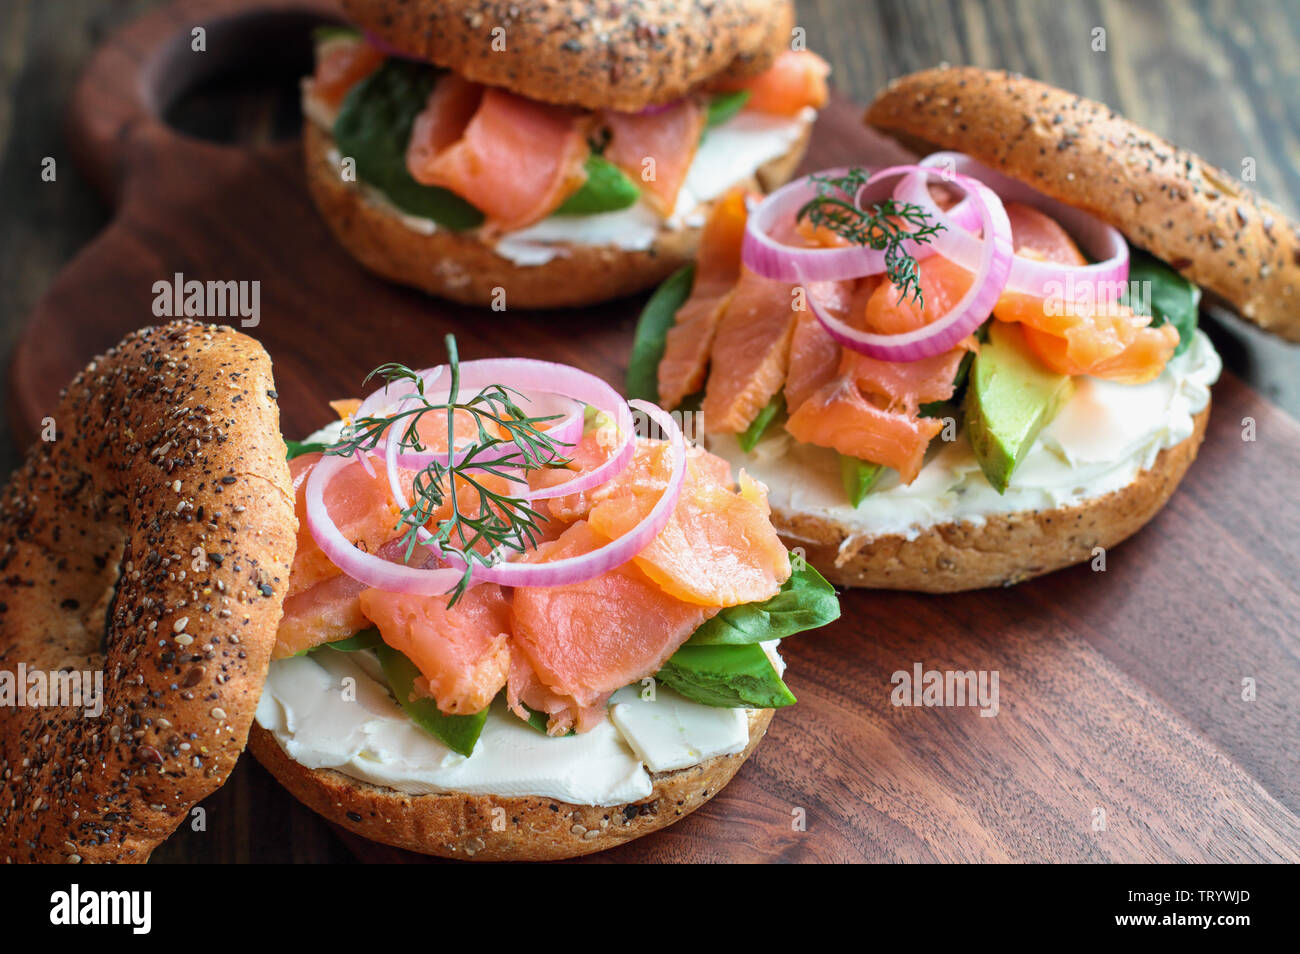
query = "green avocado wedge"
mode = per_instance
[
  {"x": 458, "y": 733},
  {"x": 858, "y": 477},
  {"x": 728, "y": 677},
  {"x": 1010, "y": 399}
]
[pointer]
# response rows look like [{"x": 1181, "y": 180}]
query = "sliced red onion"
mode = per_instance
[
  {"x": 598, "y": 561},
  {"x": 369, "y": 568},
  {"x": 975, "y": 306},
  {"x": 766, "y": 255},
  {"x": 1028, "y": 276},
  {"x": 558, "y": 382}
]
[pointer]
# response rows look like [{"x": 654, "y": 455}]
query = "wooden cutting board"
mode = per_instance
[{"x": 1122, "y": 733}]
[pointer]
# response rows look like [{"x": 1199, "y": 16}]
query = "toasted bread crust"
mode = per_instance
[
  {"x": 597, "y": 54},
  {"x": 463, "y": 268},
  {"x": 1199, "y": 219},
  {"x": 1005, "y": 549},
  {"x": 168, "y": 461},
  {"x": 462, "y": 826}
]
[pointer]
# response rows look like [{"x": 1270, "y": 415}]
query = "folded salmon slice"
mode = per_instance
[
  {"x": 718, "y": 549},
  {"x": 839, "y": 416},
  {"x": 585, "y": 640},
  {"x": 685, "y": 362},
  {"x": 342, "y": 63},
  {"x": 750, "y": 353},
  {"x": 656, "y": 148},
  {"x": 1099, "y": 338},
  {"x": 796, "y": 79},
  {"x": 814, "y": 354},
  {"x": 513, "y": 158},
  {"x": 461, "y": 650}
]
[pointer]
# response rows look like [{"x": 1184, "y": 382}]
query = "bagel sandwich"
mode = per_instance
[
  {"x": 547, "y": 155},
  {"x": 534, "y": 625},
  {"x": 980, "y": 367}
]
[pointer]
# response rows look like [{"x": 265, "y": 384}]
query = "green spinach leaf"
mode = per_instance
[
  {"x": 806, "y": 601},
  {"x": 607, "y": 189},
  {"x": 652, "y": 332}
]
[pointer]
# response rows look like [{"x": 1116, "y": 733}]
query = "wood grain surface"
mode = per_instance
[{"x": 1121, "y": 692}]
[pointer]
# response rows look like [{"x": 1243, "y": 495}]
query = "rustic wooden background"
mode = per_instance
[{"x": 1217, "y": 76}]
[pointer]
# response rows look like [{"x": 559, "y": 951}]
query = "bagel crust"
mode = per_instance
[
  {"x": 151, "y": 539},
  {"x": 462, "y": 826},
  {"x": 462, "y": 267},
  {"x": 1199, "y": 219},
  {"x": 597, "y": 54},
  {"x": 1004, "y": 549}
]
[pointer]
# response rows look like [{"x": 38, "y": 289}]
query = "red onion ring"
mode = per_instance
[
  {"x": 1028, "y": 276},
  {"x": 766, "y": 256},
  {"x": 588, "y": 565},
  {"x": 974, "y": 307}
]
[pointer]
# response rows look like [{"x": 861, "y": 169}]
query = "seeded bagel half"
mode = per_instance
[
  {"x": 150, "y": 540},
  {"x": 597, "y": 54}
]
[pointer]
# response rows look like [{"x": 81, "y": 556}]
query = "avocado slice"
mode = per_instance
[{"x": 1011, "y": 398}]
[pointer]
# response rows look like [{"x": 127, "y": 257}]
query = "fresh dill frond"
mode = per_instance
[
  {"x": 884, "y": 226},
  {"x": 481, "y": 522}
]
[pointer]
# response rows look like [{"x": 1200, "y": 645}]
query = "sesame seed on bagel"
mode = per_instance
[
  {"x": 597, "y": 54},
  {"x": 150, "y": 540}
]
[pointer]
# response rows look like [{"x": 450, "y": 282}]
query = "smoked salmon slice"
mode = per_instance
[
  {"x": 326, "y": 612},
  {"x": 685, "y": 363},
  {"x": 342, "y": 63},
  {"x": 839, "y": 416},
  {"x": 814, "y": 354},
  {"x": 585, "y": 640},
  {"x": 1095, "y": 335},
  {"x": 462, "y": 651},
  {"x": 656, "y": 148},
  {"x": 516, "y": 160},
  {"x": 797, "y": 79},
  {"x": 750, "y": 353},
  {"x": 718, "y": 549}
]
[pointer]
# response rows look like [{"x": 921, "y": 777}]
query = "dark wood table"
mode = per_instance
[{"x": 1216, "y": 76}]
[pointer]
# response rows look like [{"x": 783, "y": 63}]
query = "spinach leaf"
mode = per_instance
[
  {"x": 1169, "y": 297},
  {"x": 607, "y": 189},
  {"x": 806, "y": 601},
  {"x": 726, "y": 676},
  {"x": 373, "y": 128},
  {"x": 750, "y": 436},
  {"x": 652, "y": 333},
  {"x": 858, "y": 477},
  {"x": 458, "y": 733},
  {"x": 725, "y": 105}
]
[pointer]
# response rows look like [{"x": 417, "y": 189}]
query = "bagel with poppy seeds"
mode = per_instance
[
  {"x": 597, "y": 54},
  {"x": 548, "y": 155},
  {"x": 151, "y": 541},
  {"x": 1165, "y": 199}
]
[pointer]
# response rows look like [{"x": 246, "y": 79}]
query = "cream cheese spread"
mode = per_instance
[{"x": 1104, "y": 436}]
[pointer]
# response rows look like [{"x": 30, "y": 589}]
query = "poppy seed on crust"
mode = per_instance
[
  {"x": 92, "y": 518},
  {"x": 597, "y": 54}
]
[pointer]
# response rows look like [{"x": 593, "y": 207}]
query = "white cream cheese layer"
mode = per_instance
[
  {"x": 333, "y": 710},
  {"x": 729, "y": 153},
  {"x": 1105, "y": 435}
]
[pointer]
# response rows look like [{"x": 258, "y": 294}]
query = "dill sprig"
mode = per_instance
[
  {"x": 884, "y": 226},
  {"x": 507, "y": 441}
]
